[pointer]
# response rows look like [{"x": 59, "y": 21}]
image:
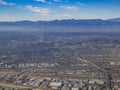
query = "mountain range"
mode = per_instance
[{"x": 70, "y": 25}]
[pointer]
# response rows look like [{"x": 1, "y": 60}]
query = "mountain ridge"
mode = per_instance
[
  {"x": 64, "y": 21},
  {"x": 67, "y": 25}
]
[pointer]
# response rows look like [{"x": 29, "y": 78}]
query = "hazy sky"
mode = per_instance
[{"x": 16, "y": 10}]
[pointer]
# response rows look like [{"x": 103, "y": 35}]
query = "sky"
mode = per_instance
[{"x": 45, "y": 10}]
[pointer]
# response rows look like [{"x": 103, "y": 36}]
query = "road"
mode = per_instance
[
  {"x": 90, "y": 62},
  {"x": 107, "y": 74}
]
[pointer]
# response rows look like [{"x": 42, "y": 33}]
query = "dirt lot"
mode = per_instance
[{"x": 17, "y": 86}]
